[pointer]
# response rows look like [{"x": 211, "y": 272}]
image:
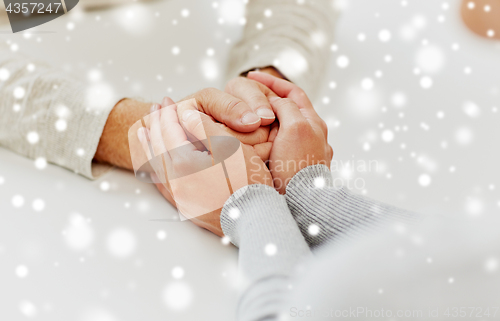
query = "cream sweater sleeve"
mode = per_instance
[
  {"x": 44, "y": 114},
  {"x": 291, "y": 35}
]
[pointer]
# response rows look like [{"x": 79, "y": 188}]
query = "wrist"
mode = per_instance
[{"x": 113, "y": 146}]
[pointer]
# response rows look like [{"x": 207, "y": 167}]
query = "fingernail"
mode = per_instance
[
  {"x": 186, "y": 114},
  {"x": 265, "y": 113},
  {"x": 166, "y": 101},
  {"x": 250, "y": 119},
  {"x": 154, "y": 108}
]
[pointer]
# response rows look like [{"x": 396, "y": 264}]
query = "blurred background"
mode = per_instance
[{"x": 411, "y": 98}]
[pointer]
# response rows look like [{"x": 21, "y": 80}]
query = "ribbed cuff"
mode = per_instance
[{"x": 325, "y": 213}]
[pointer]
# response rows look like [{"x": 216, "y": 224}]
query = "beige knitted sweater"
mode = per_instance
[{"x": 44, "y": 112}]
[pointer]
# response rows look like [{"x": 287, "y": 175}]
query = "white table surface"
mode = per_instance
[{"x": 57, "y": 264}]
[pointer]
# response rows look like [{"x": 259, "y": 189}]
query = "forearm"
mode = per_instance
[
  {"x": 271, "y": 247},
  {"x": 291, "y": 37},
  {"x": 113, "y": 146},
  {"x": 325, "y": 213}
]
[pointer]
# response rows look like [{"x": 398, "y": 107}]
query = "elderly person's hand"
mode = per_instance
[
  {"x": 301, "y": 137},
  {"x": 200, "y": 181}
]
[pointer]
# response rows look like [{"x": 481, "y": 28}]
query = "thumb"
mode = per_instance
[{"x": 225, "y": 108}]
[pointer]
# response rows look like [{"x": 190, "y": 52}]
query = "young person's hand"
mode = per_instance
[
  {"x": 191, "y": 176},
  {"x": 300, "y": 139}
]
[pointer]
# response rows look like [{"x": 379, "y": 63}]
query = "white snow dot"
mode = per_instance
[
  {"x": 474, "y": 206},
  {"x": 209, "y": 68},
  {"x": 491, "y": 264},
  {"x": 490, "y": 33},
  {"x": 4, "y": 74},
  {"x": 384, "y": 35},
  {"x": 38, "y": 204},
  {"x": 185, "y": 13},
  {"x": 28, "y": 309},
  {"x": 80, "y": 152},
  {"x": 455, "y": 46},
  {"x": 268, "y": 13},
  {"x": 104, "y": 186},
  {"x": 17, "y": 201},
  {"x": 319, "y": 182},
  {"x": 176, "y": 50},
  {"x": 40, "y": 163},
  {"x": 177, "y": 272},
  {"x": 471, "y": 109},
  {"x": 487, "y": 8},
  {"x": 22, "y": 271},
  {"x": 225, "y": 240},
  {"x": 313, "y": 229},
  {"x": 70, "y": 26},
  {"x": 2, "y": 180},
  {"x": 367, "y": 84},
  {"x": 291, "y": 62},
  {"x": 234, "y": 213},
  {"x": 19, "y": 92},
  {"x": 33, "y": 137},
  {"x": 78, "y": 234},
  {"x": 387, "y": 136},
  {"x": 467, "y": 70},
  {"x": 270, "y": 249},
  {"x": 30, "y": 67},
  {"x": 342, "y": 62},
  {"x": 161, "y": 235},
  {"x": 430, "y": 59},
  {"x": 61, "y": 125},
  {"x": 121, "y": 243},
  {"x": 361, "y": 37},
  {"x": 424, "y": 180},
  {"x": 177, "y": 296},
  {"x": 440, "y": 114},
  {"x": 399, "y": 99},
  {"x": 451, "y": 280},
  {"x": 471, "y": 5},
  {"x": 464, "y": 136},
  {"x": 426, "y": 82},
  {"x": 210, "y": 52},
  {"x": 388, "y": 58}
]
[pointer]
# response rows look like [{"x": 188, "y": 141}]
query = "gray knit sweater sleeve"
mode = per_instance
[
  {"x": 45, "y": 115},
  {"x": 293, "y": 36},
  {"x": 257, "y": 220},
  {"x": 325, "y": 213}
]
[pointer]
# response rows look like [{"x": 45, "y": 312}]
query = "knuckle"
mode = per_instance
[{"x": 234, "y": 104}]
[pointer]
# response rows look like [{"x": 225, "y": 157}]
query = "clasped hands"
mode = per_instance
[{"x": 279, "y": 130}]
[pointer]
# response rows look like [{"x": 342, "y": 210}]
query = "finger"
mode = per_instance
[
  {"x": 142, "y": 134},
  {"x": 226, "y": 109},
  {"x": 261, "y": 135},
  {"x": 202, "y": 127},
  {"x": 263, "y": 150},
  {"x": 288, "y": 113},
  {"x": 172, "y": 132},
  {"x": 273, "y": 132},
  {"x": 282, "y": 88},
  {"x": 155, "y": 131},
  {"x": 255, "y": 95}
]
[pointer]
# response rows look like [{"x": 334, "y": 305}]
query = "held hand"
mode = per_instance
[
  {"x": 301, "y": 139},
  {"x": 232, "y": 114},
  {"x": 199, "y": 181}
]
